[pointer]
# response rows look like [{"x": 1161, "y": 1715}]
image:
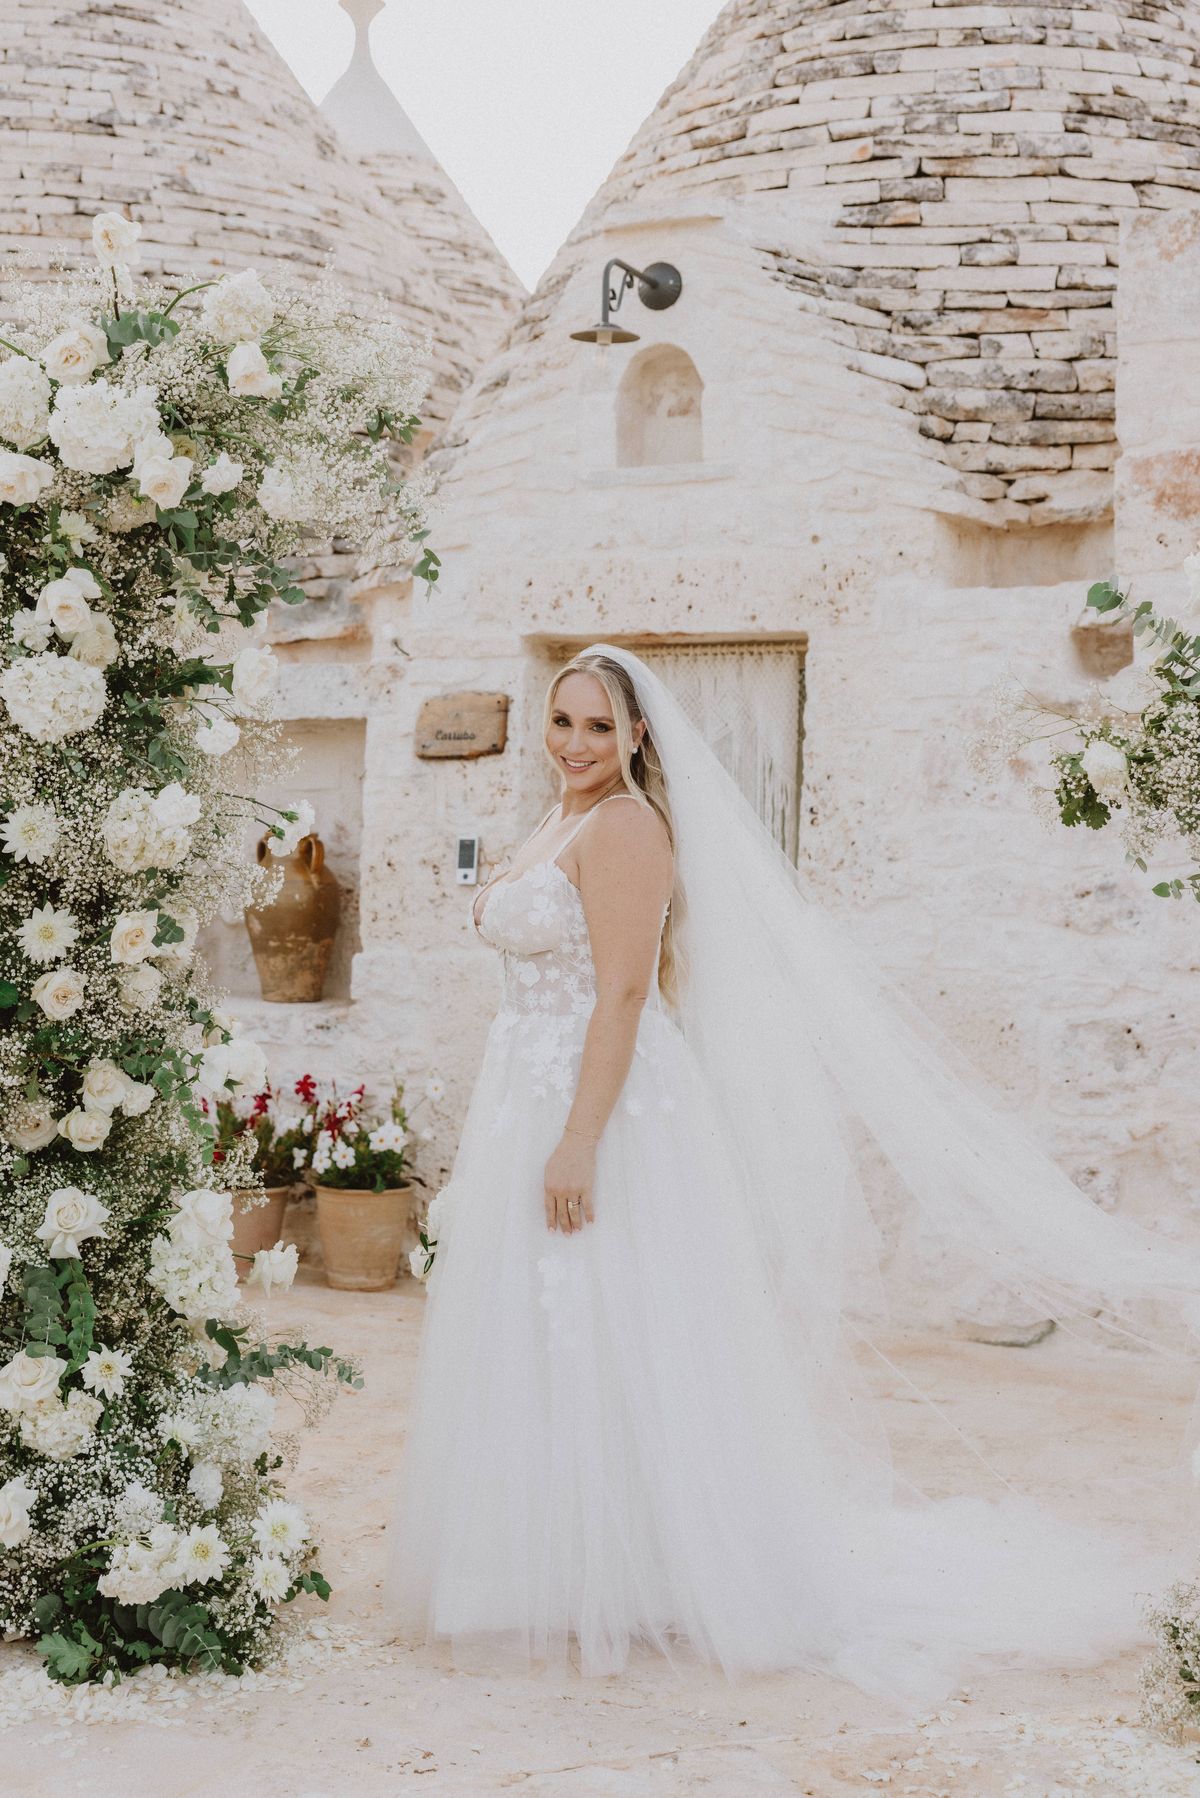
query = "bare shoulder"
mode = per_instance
[{"x": 627, "y": 832}]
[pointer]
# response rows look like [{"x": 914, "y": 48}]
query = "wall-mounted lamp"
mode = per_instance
[{"x": 659, "y": 286}]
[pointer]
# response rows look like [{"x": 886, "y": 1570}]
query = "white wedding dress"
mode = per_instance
[{"x": 609, "y": 1443}]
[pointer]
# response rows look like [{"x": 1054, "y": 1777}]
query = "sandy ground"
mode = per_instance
[{"x": 358, "y": 1715}]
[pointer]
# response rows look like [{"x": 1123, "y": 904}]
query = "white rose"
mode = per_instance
[
  {"x": 132, "y": 937},
  {"x": 17, "y": 1498},
  {"x": 51, "y": 697},
  {"x": 114, "y": 238},
  {"x": 59, "y": 992},
  {"x": 24, "y": 401},
  {"x": 274, "y": 1268},
  {"x": 29, "y": 1380},
  {"x": 129, "y": 831},
  {"x": 203, "y": 1215},
  {"x": 62, "y": 604},
  {"x": 31, "y": 1125},
  {"x": 75, "y": 354},
  {"x": 164, "y": 479},
  {"x": 249, "y": 373},
  {"x": 23, "y": 479},
  {"x": 139, "y": 1097},
  {"x": 237, "y": 307},
  {"x": 1107, "y": 767},
  {"x": 221, "y": 476},
  {"x": 255, "y": 673},
  {"x": 104, "y": 1086},
  {"x": 72, "y": 1216},
  {"x": 85, "y": 1130},
  {"x": 218, "y": 736},
  {"x": 279, "y": 497},
  {"x": 96, "y": 644},
  {"x": 206, "y": 1482},
  {"x": 179, "y": 954},
  {"x": 138, "y": 987}
]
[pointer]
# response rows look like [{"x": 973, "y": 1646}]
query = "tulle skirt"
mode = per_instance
[{"x": 610, "y": 1441}]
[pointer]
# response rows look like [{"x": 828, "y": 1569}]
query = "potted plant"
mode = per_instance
[
  {"x": 257, "y": 1129},
  {"x": 357, "y": 1163}
]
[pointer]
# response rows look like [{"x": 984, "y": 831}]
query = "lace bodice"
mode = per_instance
[{"x": 535, "y": 919}]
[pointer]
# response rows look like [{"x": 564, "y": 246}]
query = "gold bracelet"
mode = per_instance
[{"x": 576, "y": 1131}]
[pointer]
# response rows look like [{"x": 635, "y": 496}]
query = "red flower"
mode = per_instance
[{"x": 306, "y": 1088}]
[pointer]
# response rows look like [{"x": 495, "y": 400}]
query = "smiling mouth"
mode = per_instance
[{"x": 576, "y": 767}]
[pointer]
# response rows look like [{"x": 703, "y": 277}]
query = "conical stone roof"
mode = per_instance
[
  {"x": 973, "y": 164},
  {"x": 468, "y": 292},
  {"x": 183, "y": 114}
]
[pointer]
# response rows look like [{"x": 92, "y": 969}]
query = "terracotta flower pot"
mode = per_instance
[
  {"x": 259, "y": 1228},
  {"x": 292, "y": 938},
  {"x": 363, "y": 1235}
]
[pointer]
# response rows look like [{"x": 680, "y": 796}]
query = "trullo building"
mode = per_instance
[{"x": 863, "y": 465}]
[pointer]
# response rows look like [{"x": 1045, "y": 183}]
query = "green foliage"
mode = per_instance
[{"x": 244, "y": 1365}]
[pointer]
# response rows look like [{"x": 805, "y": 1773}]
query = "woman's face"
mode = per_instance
[{"x": 582, "y": 735}]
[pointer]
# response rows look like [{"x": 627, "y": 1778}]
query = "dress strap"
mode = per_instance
[{"x": 572, "y": 834}]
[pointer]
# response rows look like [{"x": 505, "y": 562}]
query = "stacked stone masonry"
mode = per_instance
[
  {"x": 182, "y": 114},
  {"x": 977, "y": 161}
]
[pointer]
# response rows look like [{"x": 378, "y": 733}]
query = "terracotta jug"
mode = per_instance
[{"x": 292, "y": 938}]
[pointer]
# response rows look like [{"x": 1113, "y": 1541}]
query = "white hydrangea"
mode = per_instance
[
  {"x": 60, "y": 1430},
  {"x": 97, "y": 427},
  {"x": 29, "y": 631},
  {"x": 139, "y": 1572},
  {"x": 24, "y": 401},
  {"x": 206, "y": 1482},
  {"x": 239, "y": 1066},
  {"x": 223, "y": 475},
  {"x": 51, "y": 697},
  {"x": 226, "y": 1426},
  {"x": 237, "y": 307},
  {"x": 280, "y": 496},
  {"x": 192, "y": 1265},
  {"x": 146, "y": 830},
  {"x": 137, "y": 1510}
]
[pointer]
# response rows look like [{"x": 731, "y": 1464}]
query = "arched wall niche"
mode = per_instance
[{"x": 660, "y": 409}]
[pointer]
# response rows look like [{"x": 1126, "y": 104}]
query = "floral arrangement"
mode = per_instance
[
  {"x": 161, "y": 454},
  {"x": 1139, "y": 760},
  {"x": 422, "y": 1258},
  {"x": 261, "y": 1125},
  {"x": 341, "y": 1144}
]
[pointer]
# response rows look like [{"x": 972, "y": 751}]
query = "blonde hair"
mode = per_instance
[{"x": 641, "y": 771}]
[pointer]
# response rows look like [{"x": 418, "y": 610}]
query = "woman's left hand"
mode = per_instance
[{"x": 569, "y": 1179}]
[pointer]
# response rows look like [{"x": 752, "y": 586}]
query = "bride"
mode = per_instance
[{"x": 637, "y": 1416}]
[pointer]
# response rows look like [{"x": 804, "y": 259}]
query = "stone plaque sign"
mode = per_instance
[{"x": 462, "y": 724}]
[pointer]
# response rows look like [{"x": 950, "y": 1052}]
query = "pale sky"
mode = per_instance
[{"x": 526, "y": 103}]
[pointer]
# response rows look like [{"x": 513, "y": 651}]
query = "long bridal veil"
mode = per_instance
[{"x": 830, "y": 1082}]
